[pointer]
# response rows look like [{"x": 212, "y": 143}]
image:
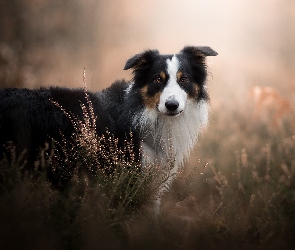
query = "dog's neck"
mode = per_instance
[{"x": 167, "y": 138}]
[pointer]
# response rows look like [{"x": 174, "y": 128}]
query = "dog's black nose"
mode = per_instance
[{"x": 171, "y": 105}]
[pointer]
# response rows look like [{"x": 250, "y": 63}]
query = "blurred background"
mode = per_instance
[
  {"x": 50, "y": 42},
  {"x": 241, "y": 177}
]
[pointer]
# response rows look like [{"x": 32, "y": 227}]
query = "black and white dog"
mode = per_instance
[{"x": 165, "y": 106}]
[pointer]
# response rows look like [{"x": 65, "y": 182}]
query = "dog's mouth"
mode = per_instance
[{"x": 173, "y": 113}]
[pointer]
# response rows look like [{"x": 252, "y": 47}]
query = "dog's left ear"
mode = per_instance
[
  {"x": 141, "y": 60},
  {"x": 199, "y": 51}
]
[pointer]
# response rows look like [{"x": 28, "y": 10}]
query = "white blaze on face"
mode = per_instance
[{"x": 172, "y": 91}]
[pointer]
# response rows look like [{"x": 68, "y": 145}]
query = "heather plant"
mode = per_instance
[{"x": 114, "y": 170}]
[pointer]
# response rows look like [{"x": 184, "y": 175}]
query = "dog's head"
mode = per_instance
[{"x": 166, "y": 82}]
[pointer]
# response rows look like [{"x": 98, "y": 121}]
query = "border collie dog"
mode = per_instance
[{"x": 165, "y": 106}]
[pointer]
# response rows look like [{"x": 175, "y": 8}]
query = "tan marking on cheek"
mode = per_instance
[
  {"x": 179, "y": 75},
  {"x": 195, "y": 93},
  {"x": 163, "y": 76},
  {"x": 150, "y": 101}
]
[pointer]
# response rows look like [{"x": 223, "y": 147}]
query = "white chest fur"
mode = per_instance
[{"x": 168, "y": 136}]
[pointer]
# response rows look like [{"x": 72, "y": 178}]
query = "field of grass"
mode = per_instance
[{"x": 237, "y": 192}]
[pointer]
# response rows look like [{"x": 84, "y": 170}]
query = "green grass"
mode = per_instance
[{"x": 239, "y": 195}]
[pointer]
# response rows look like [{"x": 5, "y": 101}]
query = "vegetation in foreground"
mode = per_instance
[{"x": 242, "y": 197}]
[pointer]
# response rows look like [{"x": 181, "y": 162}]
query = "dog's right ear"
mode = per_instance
[
  {"x": 141, "y": 60},
  {"x": 198, "y": 52}
]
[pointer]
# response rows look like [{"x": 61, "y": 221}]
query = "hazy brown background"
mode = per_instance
[
  {"x": 49, "y": 42},
  {"x": 245, "y": 192}
]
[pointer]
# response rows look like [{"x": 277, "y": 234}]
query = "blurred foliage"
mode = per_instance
[
  {"x": 37, "y": 35},
  {"x": 240, "y": 194}
]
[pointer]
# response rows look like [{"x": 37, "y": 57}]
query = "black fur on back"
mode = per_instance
[{"x": 29, "y": 118}]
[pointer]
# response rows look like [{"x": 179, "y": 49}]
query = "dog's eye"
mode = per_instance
[
  {"x": 158, "y": 79},
  {"x": 184, "y": 79}
]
